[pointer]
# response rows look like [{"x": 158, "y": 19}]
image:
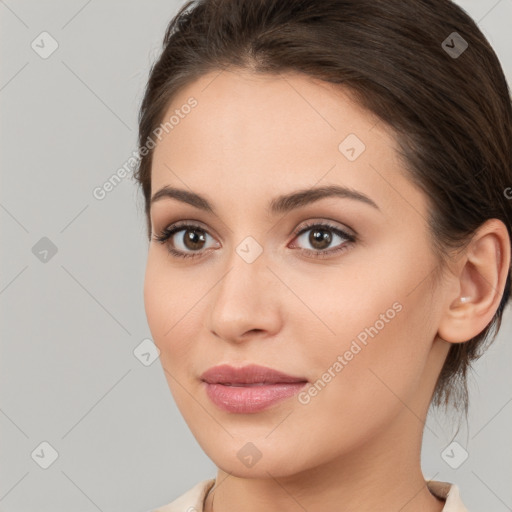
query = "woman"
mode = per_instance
[{"x": 327, "y": 193}]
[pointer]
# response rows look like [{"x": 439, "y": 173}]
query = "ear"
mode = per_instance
[{"x": 480, "y": 281}]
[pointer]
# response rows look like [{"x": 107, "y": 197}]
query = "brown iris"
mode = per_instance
[{"x": 320, "y": 236}]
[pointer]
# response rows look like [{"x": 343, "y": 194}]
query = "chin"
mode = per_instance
[{"x": 256, "y": 458}]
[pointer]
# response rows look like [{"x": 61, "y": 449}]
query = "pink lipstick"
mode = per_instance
[{"x": 249, "y": 389}]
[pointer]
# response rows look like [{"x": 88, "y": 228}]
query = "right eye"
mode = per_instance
[{"x": 193, "y": 239}]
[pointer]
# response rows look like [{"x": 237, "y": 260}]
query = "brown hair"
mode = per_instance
[{"x": 451, "y": 113}]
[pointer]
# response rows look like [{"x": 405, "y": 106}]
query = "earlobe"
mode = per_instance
[{"x": 483, "y": 271}]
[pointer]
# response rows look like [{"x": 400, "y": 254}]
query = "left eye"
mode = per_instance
[{"x": 321, "y": 236}]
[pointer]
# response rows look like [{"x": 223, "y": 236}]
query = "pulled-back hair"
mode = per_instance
[{"x": 448, "y": 106}]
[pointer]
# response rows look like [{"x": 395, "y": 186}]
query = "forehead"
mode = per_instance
[
  {"x": 274, "y": 133},
  {"x": 269, "y": 111}
]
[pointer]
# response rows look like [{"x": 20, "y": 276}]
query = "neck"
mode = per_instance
[{"x": 382, "y": 474}]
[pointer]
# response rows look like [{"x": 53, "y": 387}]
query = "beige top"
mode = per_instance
[{"x": 193, "y": 499}]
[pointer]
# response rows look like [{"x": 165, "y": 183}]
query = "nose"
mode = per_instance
[{"x": 246, "y": 302}]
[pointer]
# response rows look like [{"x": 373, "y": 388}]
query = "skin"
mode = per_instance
[{"x": 356, "y": 445}]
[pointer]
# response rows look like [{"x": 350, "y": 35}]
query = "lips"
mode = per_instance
[
  {"x": 248, "y": 375},
  {"x": 249, "y": 389}
]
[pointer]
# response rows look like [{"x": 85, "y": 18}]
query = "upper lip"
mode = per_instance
[{"x": 250, "y": 374}]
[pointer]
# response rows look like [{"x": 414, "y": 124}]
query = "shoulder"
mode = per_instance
[
  {"x": 450, "y": 493},
  {"x": 190, "y": 501}
]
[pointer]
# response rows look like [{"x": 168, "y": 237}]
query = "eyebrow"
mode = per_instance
[{"x": 281, "y": 204}]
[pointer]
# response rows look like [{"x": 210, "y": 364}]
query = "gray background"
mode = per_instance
[{"x": 70, "y": 324}]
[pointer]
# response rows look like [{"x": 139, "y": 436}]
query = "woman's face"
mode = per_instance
[{"x": 273, "y": 282}]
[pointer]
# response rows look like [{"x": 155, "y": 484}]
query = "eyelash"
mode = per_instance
[{"x": 169, "y": 231}]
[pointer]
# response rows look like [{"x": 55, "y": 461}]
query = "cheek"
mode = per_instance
[
  {"x": 379, "y": 325},
  {"x": 368, "y": 390},
  {"x": 171, "y": 302},
  {"x": 172, "y": 317}
]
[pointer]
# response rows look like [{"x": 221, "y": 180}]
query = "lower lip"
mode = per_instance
[{"x": 249, "y": 399}]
